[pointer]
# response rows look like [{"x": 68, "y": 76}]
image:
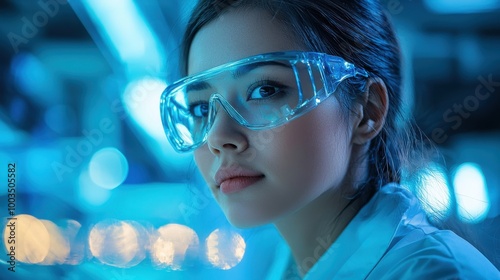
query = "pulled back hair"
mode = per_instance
[{"x": 361, "y": 33}]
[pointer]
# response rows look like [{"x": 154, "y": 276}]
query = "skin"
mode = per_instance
[{"x": 311, "y": 165}]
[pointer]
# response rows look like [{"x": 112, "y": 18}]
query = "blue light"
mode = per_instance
[
  {"x": 28, "y": 73},
  {"x": 10, "y": 136},
  {"x": 39, "y": 171},
  {"x": 471, "y": 193},
  {"x": 108, "y": 168},
  {"x": 125, "y": 30},
  {"x": 90, "y": 194},
  {"x": 141, "y": 99},
  {"x": 34, "y": 79},
  {"x": 462, "y": 6},
  {"x": 60, "y": 118}
]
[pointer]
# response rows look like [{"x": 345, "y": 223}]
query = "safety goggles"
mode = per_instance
[{"x": 259, "y": 92}]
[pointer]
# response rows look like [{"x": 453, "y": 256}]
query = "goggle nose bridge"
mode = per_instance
[{"x": 230, "y": 110}]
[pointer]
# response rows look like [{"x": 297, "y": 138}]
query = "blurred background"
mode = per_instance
[{"x": 100, "y": 194}]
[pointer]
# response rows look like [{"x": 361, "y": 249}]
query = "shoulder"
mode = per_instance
[{"x": 438, "y": 255}]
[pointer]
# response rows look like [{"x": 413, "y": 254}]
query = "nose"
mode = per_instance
[{"x": 226, "y": 134}]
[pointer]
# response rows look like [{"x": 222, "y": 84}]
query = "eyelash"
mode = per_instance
[
  {"x": 193, "y": 104},
  {"x": 253, "y": 86},
  {"x": 266, "y": 82}
]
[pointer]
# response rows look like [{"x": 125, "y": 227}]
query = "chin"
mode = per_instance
[{"x": 244, "y": 221}]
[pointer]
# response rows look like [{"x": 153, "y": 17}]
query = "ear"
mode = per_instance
[{"x": 374, "y": 112}]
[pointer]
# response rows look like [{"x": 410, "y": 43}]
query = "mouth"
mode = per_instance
[
  {"x": 231, "y": 178},
  {"x": 238, "y": 183}
]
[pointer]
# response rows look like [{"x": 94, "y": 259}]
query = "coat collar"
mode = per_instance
[{"x": 368, "y": 236}]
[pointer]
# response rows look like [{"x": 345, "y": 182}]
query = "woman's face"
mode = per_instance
[{"x": 287, "y": 167}]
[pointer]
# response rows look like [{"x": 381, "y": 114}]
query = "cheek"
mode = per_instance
[{"x": 310, "y": 152}]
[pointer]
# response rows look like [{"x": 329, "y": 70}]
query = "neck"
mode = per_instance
[{"x": 311, "y": 230}]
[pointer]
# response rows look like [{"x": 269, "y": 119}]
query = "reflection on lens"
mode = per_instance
[
  {"x": 185, "y": 134},
  {"x": 225, "y": 249},
  {"x": 174, "y": 246}
]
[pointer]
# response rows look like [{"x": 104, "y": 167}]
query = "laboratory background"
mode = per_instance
[{"x": 99, "y": 193}]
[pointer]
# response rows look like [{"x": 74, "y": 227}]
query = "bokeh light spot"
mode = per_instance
[
  {"x": 70, "y": 229},
  {"x": 108, "y": 168},
  {"x": 434, "y": 191},
  {"x": 116, "y": 243},
  {"x": 58, "y": 245},
  {"x": 31, "y": 237},
  {"x": 471, "y": 193},
  {"x": 225, "y": 249},
  {"x": 174, "y": 246}
]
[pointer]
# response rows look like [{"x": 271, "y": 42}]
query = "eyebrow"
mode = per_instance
[
  {"x": 239, "y": 72},
  {"x": 243, "y": 70}
]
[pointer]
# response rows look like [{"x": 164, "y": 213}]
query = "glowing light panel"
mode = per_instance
[
  {"x": 471, "y": 193},
  {"x": 141, "y": 98},
  {"x": 462, "y": 6},
  {"x": 125, "y": 29}
]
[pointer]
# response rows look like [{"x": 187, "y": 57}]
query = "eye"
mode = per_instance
[
  {"x": 199, "y": 110},
  {"x": 264, "y": 89}
]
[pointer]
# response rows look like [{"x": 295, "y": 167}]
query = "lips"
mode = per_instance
[{"x": 236, "y": 178}]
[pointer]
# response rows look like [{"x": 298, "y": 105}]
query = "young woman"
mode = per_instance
[{"x": 293, "y": 111}]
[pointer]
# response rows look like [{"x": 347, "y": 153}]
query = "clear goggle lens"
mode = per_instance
[{"x": 259, "y": 92}]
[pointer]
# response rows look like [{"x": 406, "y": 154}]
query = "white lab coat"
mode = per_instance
[{"x": 390, "y": 238}]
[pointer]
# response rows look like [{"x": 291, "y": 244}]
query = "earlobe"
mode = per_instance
[{"x": 374, "y": 112}]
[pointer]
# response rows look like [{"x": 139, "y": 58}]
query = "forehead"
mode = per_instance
[{"x": 235, "y": 35}]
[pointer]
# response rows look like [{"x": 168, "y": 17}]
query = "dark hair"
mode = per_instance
[{"x": 358, "y": 31}]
